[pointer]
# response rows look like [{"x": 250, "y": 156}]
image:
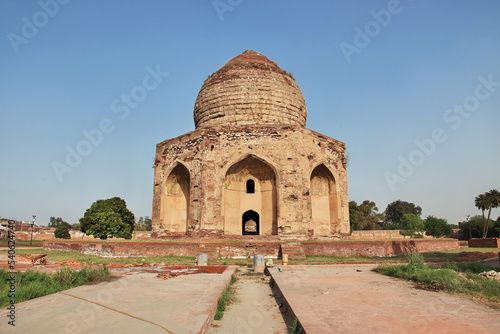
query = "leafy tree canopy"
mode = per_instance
[
  {"x": 395, "y": 212},
  {"x": 56, "y": 222},
  {"x": 437, "y": 227},
  {"x": 411, "y": 225},
  {"x": 108, "y": 217},
  {"x": 366, "y": 216},
  {"x": 487, "y": 201},
  {"x": 143, "y": 224},
  {"x": 353, "y": 214},
  {"x": 474, "y": 228}
]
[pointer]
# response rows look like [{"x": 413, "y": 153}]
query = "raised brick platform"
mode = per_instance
[{"x": 230, "y": 249}]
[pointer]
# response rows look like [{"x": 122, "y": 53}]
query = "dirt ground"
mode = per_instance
[{"x": 254, "y": 309}]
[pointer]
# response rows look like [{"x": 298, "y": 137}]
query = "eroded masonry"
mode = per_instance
[{"x": 250, "y": 167}]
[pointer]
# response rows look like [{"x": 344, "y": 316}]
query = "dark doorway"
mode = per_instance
[{"x": 250, "y": 223}]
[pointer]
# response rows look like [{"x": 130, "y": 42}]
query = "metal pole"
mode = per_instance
[{"x": 32, "y": 227}]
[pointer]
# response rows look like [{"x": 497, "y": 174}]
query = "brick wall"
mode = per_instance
[
  {"x": 488, "y": 242},
  {"x": 231, "y": 249},
  {"x": 48, "y": 234},
  {"x": 124, "y": 249},
  {"x": 375, "y": 234},
  {"x": 377, "y": 248},
  {"x": 380, "y": 234}
]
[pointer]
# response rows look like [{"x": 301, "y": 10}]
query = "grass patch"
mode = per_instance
[
  {"x": 33, "y": 284},
  {"x": 297, "y": 327},
  {"x": 226, "y": 297},
  {"x": 452, "y": 277},
  {"x": 21, "y": 243}
]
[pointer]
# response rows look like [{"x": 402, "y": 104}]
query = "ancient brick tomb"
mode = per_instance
[{"x": 250, "y": 167}]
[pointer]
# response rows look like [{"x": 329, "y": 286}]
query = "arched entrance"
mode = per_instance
[
  {"x": 175, "y": 203},
  {"x": 250, "y": 186},
  {"x": 324, "y": 203},
  {"x": 250, "y": 223}
]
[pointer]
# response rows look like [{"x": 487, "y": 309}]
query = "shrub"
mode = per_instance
[
  {"x": 414, "y": 258},
  {"x": 62, "y": 232}
]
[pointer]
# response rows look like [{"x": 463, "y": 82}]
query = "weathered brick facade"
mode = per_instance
[{"x": 251, "y": 166}]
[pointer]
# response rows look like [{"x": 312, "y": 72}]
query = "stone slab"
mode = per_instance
[
  {"x": 352, "y": 299},
  {"x": 138, "y": 303}
]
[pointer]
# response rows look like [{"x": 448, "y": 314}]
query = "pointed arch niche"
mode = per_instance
[
  {"x": 250, "y": 187},
  {"x": 324, "y": 202},
  {"x": 175, "y": 203}
]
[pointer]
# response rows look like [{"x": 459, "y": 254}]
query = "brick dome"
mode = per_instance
[{"x": 250, "y": 89}]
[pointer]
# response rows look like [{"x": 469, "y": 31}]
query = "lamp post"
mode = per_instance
[{"x": 32, "y": 227}]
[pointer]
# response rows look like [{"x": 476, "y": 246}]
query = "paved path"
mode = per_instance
[
  {"x": 352, "y": 299},
  {"x": 184, "y": 304},
  {"x": 254, "y": 309}
]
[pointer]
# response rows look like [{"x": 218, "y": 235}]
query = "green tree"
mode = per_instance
[
  {"x": 62, "y": 232},
  {"x": 143, "y": 224},
  {"x": 147, "y": 222},
  {"x": 411, "y": 225},
  {"x": 395, "y": 212},
  {"x": 75, "y": 227},
  {"x": 108, "y": 217},
  {"x": 482, "y": 203},
  {"x": 367, "y": 217},
  {"x": 493, "y": 198},
  {"x": 56, "y": 222},
  {"x": 475, "y": 227},
  {"x": 139, "y": 225},
  {"x": 353, "y": 214},
  {"x": 437, "y": 227}
]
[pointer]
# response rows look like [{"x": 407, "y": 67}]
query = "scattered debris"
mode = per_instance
[
  {"x": 34, "y": 258},
  {"x": 491, "y": 275},
  {"x": 433, "y": 286},
  {"x": 265, "y": 280},
  {"x": 166, "y": 272},
  {"x": 70, "y": 263}
]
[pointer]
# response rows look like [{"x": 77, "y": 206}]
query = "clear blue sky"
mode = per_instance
[{"x": 376, "y": 75}]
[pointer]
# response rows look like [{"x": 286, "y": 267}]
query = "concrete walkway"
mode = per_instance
[
  {"x": 352, "y": 299},
  {"x": 137, "y": 303},
  {"x": 254, "y": 309}
]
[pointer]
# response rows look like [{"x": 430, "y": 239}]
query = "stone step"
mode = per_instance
[{"x": 294, "y": 251}]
